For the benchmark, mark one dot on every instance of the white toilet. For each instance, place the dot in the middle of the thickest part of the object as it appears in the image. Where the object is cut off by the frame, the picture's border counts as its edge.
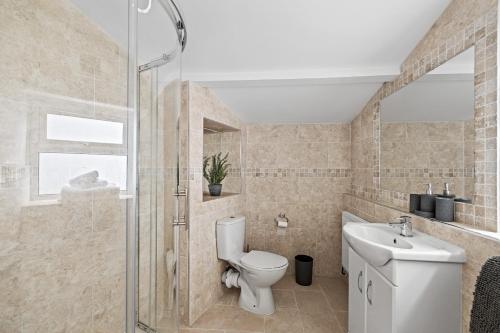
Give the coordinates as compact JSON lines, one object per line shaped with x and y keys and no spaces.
{"x":256,"y":271}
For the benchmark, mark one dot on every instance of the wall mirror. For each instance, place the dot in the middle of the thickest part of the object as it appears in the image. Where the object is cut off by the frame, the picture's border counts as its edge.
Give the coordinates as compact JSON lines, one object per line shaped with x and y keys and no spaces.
{"x":427,"y":132}
{"x":221,"y":156}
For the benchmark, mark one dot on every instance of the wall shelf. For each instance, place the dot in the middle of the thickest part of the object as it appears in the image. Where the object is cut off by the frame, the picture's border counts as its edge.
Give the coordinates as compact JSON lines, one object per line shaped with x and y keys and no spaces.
{"x":208,"y":197}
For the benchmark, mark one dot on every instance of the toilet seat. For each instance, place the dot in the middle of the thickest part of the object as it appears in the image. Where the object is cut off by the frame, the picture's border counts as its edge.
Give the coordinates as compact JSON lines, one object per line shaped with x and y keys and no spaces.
{"x":262,"y":260}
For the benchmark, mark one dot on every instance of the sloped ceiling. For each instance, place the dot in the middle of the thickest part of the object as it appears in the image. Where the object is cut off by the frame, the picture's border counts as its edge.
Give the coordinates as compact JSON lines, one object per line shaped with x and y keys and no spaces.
{"x":285,"y":61}
{"x":288,"y":60}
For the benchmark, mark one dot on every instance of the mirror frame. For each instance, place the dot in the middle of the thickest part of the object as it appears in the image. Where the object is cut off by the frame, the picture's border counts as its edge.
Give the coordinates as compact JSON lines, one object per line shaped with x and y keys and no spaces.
{"x":482,"y":213}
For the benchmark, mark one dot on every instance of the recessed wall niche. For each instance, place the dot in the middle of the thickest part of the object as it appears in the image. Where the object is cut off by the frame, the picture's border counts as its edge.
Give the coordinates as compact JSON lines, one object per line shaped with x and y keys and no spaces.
{"x":221,"y":141}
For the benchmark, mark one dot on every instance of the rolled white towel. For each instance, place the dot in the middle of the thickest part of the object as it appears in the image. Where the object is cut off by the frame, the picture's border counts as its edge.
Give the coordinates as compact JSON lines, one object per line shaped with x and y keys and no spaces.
{"x":84,"y":179}
{"x":96,"y":184}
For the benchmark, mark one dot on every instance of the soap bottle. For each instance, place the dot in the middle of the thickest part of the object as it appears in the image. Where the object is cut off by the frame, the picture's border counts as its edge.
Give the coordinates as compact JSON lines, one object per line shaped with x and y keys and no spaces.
{"x":447,"y":192}
{"x":445,"y":205}
{"x":428,"y":202}
{"x":429,"y":189}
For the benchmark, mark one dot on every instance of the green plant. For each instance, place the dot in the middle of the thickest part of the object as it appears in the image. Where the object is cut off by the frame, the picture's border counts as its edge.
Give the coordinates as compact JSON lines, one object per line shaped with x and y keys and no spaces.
{"x":217,"y":168}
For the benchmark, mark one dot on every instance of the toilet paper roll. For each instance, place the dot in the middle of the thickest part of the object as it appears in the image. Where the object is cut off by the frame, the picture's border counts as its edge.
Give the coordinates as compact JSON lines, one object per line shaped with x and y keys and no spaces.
{"x":282,"y":224}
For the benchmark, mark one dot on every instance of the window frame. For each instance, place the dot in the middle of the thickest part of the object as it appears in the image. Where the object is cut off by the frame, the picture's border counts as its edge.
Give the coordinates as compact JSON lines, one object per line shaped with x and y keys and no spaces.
{"x":38,"y":142}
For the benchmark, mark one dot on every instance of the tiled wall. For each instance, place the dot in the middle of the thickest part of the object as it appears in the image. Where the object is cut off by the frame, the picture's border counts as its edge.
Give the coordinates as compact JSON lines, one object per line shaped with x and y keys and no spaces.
{"x":67,"y":272}
{"x":477,"y":248}
{"x":302,"y":171}
{"x":463,"y":24}
{"x":414,"y":154}
{"x":205,"y":269}
{"x":62,"y":263}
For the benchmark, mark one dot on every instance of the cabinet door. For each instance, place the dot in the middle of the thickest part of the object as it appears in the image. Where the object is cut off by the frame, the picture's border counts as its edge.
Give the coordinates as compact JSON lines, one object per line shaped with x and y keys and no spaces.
{"x":380,"y":295}
{"x":357,"y":287}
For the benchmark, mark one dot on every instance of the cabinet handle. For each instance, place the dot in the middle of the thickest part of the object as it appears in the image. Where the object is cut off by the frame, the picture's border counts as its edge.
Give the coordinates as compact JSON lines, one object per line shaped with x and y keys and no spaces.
{"x":360,"y":275}
{"x":370,"y":285}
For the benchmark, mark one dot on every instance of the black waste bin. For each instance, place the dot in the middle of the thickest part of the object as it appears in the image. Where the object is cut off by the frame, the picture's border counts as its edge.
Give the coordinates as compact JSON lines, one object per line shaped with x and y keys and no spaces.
{"x":303,"y":269}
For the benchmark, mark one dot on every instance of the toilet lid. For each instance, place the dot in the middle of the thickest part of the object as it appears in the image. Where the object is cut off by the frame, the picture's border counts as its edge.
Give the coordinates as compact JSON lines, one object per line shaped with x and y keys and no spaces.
{"x":263,"y":260}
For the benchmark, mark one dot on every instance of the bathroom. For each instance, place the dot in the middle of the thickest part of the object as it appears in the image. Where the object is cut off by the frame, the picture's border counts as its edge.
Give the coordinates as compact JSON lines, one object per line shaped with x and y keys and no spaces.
{"x":164,"y":162}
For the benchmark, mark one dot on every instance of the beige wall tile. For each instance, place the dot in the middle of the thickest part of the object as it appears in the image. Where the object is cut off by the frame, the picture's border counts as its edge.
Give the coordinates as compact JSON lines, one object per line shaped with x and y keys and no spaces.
{"x":66,"y":268}
{"x":309,"y":198}
{"x":204,"y":287}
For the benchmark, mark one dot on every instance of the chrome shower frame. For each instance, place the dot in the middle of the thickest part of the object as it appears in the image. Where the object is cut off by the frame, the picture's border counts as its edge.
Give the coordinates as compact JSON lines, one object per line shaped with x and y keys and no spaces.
{"x":173,"y":11}
{"x":177,"y":18}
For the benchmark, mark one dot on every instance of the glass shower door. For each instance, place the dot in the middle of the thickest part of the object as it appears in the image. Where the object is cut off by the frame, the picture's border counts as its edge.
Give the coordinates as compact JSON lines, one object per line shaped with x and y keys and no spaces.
{"x":159,"y":197}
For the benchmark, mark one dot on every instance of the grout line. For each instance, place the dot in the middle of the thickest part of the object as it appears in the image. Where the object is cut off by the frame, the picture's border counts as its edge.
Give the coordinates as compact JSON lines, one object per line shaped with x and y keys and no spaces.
{"x":334,"y":312}
{"x":300,"y":312}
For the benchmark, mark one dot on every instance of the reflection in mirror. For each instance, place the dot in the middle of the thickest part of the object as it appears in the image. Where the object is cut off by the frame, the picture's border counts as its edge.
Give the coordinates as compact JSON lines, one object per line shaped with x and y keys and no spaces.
{"x":220,"y":140}
{"x":427,"y":132}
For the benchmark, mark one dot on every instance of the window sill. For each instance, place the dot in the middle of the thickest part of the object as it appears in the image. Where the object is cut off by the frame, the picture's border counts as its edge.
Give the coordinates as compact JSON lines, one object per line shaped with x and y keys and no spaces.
{"x":57,"y":201}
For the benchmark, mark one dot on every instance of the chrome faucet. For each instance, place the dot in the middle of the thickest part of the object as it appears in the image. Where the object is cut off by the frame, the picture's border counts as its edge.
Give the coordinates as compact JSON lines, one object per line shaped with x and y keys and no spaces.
{"x":404,"y":222}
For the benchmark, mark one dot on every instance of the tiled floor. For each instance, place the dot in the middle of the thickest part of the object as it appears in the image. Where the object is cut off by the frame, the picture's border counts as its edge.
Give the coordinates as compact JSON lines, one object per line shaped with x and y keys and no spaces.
{"x":319,"y":308}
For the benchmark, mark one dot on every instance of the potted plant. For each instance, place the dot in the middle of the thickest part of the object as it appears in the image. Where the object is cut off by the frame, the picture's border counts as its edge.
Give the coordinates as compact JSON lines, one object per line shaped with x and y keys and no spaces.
{"x":215,"y":170}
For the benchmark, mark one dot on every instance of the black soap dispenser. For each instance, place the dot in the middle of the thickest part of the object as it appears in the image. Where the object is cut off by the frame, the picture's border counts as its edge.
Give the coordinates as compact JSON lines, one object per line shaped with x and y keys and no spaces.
{"x":445,"y":205}
{"x":446,"y":192}
{"x":427,"y":203}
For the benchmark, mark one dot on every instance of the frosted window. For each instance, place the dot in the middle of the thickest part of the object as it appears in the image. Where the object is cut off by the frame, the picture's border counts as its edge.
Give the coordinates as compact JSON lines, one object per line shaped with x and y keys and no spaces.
{"x":83,"y":129}
{"x":56,"y":169}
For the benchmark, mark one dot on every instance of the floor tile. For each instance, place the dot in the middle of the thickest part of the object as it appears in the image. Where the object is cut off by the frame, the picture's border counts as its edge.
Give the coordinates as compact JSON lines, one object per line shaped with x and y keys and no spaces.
{"x":284,"y":321}
{"x":199,"y":330}
{"x":342,"y":319}
{"x":336,"y":292}
{"x":312,"y":302}
{"x":286,"y":283}
{"x":284,"y":299}
{"x":320,"y":308}
{"x":320,"y":323}
{"x":239,"y":319}
{"x":230,"y":297}
{"x":314,"y":286}
{"x":213,"y":318}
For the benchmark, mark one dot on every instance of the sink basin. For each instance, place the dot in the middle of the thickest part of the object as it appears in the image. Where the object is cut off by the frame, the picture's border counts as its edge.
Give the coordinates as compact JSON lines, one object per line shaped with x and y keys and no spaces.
{"x":379,"y":243}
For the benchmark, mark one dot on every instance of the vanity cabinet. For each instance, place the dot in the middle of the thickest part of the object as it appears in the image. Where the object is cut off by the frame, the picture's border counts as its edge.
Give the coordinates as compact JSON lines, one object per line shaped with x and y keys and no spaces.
{"x":404,"y":297}
{"x":357,"y":288}
{"x":379,"y":302}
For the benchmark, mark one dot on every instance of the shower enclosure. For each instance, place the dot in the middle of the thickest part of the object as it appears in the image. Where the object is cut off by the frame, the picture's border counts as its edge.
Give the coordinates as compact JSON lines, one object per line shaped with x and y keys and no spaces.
{"x":90,"y":189}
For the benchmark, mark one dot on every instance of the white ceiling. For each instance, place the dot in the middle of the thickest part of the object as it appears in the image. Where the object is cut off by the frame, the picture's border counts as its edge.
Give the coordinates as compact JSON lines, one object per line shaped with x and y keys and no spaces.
{"x":445,"y":94}
{"x":284,"y":60}
{"x":325,"y":37}
{"x":297,"y":100}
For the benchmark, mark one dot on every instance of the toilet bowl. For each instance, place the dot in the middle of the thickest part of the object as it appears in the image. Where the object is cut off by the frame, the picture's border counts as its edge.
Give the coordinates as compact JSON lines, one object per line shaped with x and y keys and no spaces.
{"x":254,"y":272}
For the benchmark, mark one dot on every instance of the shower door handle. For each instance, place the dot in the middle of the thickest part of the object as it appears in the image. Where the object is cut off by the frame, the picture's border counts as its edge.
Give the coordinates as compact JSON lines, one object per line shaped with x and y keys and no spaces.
{"x":181,"y":220}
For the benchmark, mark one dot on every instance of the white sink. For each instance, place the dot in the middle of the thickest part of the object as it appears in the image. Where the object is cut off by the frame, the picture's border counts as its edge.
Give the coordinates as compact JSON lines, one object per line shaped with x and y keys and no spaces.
{"x":379,"y":243}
